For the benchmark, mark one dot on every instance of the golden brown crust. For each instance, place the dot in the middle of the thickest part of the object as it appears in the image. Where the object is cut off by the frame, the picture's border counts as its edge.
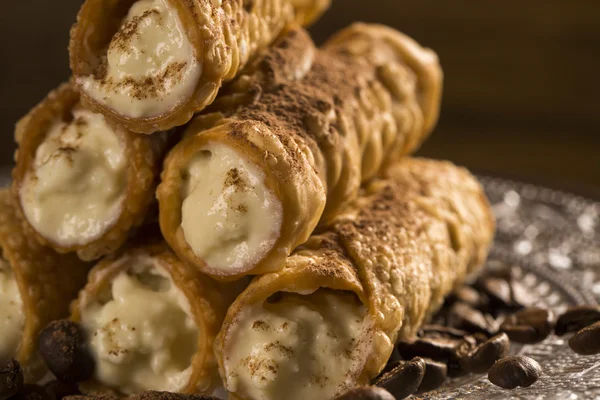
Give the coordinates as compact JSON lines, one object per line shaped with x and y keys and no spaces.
{"x":143,"y":154}
{"x":47,"y":281}
{"x":225,"y":38}
{"x":402,"y":246}
{"x":309,"y":11}
{"x":208,"y":301}
{"x":319,"y":122}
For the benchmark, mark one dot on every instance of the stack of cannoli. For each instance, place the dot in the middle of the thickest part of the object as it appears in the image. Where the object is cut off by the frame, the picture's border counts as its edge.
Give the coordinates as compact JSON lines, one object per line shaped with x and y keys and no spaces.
{"x":255,"y":226}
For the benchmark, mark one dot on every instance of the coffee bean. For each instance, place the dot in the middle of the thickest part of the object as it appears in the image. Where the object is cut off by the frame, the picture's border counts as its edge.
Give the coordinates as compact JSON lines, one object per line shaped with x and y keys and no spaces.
{"x":522,"y":295}
{"x":576,"y":318}
{"x":11,"y":379}
{"x":530,"y":325}
{"x":587,"y":340}
{"x":366,"y":393}
{"x":498,"y":291}
{"x":58,"y":390}
{"x":435,"y":375}
{"x":403,"y":380}
{"x":481,"y":358}
{"x":464,"y":317}
{"x":439,"y":349}
{"x":31,"y":392}
{"x":511,"y":372}
{"x":62,"y":346}
{"x":441,"y":331}
{"x":469,"y":296}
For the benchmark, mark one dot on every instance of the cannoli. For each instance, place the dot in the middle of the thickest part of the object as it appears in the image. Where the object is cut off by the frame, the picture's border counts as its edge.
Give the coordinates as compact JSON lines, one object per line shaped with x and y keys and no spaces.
{"x":36,"y":286}
{"x":289,"y":143}
{"x":150,"y":322}
{"x":151,"y":64}
{"x":83,"y":183}
{"x":329,"y":319}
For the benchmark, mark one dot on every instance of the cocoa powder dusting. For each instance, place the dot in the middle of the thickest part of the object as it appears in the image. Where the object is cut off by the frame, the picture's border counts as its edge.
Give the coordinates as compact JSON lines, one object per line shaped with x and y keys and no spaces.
{"x":143,"y":87}
{"x":303,"y":113}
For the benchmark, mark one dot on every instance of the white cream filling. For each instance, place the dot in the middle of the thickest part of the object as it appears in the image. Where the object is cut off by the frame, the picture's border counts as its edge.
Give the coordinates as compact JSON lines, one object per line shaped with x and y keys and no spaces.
{"x":298,"y":347}
{"x":75,"y":188}
{"x":150,"y":66}
{"x":230,"y":218}
{"x":12,"y":317}
{"x":142,"y":332}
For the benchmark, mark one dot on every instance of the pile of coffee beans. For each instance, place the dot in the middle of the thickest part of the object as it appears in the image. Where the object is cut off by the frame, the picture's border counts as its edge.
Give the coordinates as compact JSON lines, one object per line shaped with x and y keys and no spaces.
{"x":13,"y":387}
{"x":472,"y":333}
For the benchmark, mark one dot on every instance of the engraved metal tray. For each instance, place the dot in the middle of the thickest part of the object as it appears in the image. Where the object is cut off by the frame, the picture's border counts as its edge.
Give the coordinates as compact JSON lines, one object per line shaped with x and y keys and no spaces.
{"x":554,"y":239}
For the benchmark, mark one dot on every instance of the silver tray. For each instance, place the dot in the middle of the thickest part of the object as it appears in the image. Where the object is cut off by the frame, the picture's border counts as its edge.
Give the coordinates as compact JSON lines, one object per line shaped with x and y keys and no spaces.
{"x":553,"y":238}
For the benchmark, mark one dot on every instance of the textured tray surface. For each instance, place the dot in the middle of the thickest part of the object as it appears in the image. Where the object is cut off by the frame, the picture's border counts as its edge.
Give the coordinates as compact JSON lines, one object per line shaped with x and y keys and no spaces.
{"x":554,"y":238}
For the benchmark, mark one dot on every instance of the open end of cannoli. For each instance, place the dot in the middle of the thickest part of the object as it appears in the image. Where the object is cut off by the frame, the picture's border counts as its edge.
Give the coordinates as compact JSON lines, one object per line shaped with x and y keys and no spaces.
{"x":296,"y":346}
{"x":74,"y":189}
{"x":12,"y":317}
{"x":230,"y":218}
{"x":141,"y":331}
{"x":145,"y":65}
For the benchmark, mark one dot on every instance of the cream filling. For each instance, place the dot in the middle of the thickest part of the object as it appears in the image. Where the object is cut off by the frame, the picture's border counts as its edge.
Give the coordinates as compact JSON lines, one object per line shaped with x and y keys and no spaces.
{"x":150,"y":66}
{"x":12,"y":317}
{"x":298,"y":347}
{"x":75,"y":188}
{"x":230,"y":218}
{"x":142,"y":332}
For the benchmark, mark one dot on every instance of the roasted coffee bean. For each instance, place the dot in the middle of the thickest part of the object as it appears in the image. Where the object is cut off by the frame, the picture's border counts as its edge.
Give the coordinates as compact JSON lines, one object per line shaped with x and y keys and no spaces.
{"x":62,"y":346}
{"x":11,"y":379}
{"x":436,"y":348}
{"x":576,"y":318}
{"x":435,"y":375}
{"x":403,"y":380}
{"x":481,"y":358}
{"x":464,"y":317}
{"x":470,"y":296}
{"x":390,"y":366}
{"x":587,"y":340}
{"x":465,"y":346}
{"x":367,"y":393}
{"x":59,"y":390}
{"x":31,"y":392}
{"x":530,"y":325}
{"x":441,"y":331}
{"x":511,"y":372}
{"x":522,"y":296}
{"x":498,"y":291}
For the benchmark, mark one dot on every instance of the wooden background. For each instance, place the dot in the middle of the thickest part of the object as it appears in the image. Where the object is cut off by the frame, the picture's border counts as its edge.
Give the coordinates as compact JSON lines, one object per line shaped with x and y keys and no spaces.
{"x":522,"y":91}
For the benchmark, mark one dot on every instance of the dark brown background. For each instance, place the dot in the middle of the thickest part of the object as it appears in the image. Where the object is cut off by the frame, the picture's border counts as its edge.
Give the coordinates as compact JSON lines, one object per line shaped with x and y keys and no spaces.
{"x":522,"y":94}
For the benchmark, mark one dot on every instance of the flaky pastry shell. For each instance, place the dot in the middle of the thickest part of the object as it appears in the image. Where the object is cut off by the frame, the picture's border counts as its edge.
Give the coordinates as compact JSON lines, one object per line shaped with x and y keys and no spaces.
{"x":401,"y":247}
{"x":47,"y":282}
{"x":225,"y":36}
{"x":317,"y":122}
{"x":143,"y":153}
{"x":208,"y":302}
